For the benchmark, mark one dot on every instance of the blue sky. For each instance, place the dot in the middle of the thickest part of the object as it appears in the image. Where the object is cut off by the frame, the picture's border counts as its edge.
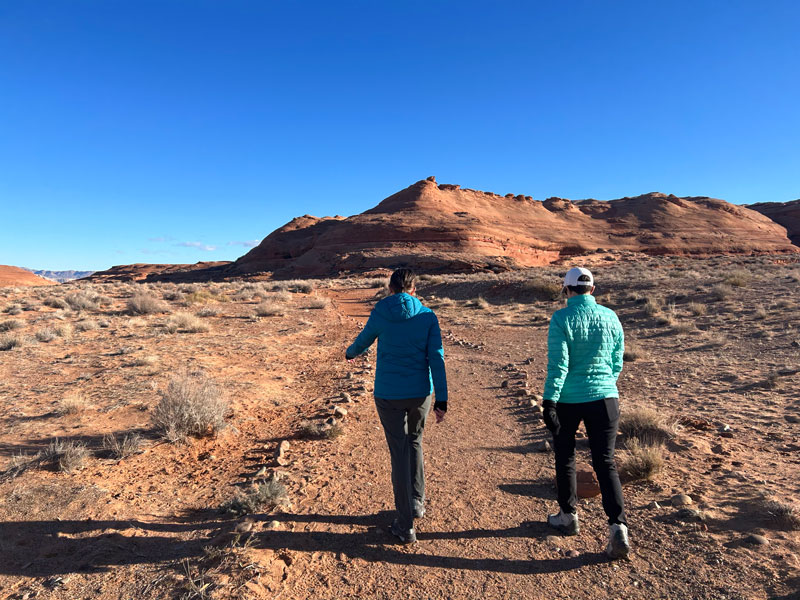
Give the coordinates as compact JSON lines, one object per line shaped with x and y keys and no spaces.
{"x":184,"y":130}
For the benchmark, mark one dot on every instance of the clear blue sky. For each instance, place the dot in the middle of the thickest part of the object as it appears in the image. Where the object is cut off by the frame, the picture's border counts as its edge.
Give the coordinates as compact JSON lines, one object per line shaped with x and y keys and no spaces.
{"x":182,"y":130}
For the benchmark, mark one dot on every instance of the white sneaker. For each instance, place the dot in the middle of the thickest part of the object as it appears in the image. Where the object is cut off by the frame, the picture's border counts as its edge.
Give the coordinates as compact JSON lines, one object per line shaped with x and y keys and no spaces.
{"x":566,"y":523}
{"x":618,"y":544}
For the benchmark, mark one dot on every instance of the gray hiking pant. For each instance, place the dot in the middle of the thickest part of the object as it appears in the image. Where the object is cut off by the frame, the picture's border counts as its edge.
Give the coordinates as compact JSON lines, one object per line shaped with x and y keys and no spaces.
{"x":403,"y":423}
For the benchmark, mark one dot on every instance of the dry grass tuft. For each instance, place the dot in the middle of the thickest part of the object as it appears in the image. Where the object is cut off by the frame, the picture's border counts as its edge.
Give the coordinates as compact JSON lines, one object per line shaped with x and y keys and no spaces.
{"x":319,"y":303}
{"x":86,"y":325}
{"x":269,"y":309}
{"x":642,"y":461}
{"x":785,"y":514}
{"x":56,"y":302}
{"x":186,"y":323}
{"x":263,"y":498}
{"x":647,"y":425}
{"x":721,"y":292}
{"x":632,"y":353}
{"x":191,"y":405}
{"x":144,"y":304}
{"x":65,"y":456}
{"x":12,"y":324}
{"x":122,"y":447}
{"x":72,"y":404}
{"x":738,"y":278}
{"x":45,"y":335}
{"x":542,"y":289}
{"x":10,"y":340}
{"x":697,"y":309}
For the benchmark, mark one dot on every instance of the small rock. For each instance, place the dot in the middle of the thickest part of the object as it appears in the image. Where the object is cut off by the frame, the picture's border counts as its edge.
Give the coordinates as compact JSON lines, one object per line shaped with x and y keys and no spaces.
{"x":573,"y":554}
{"x":726,"y":434}
{"x":244,"y":527}
{"x":536,"y":408}
{"x":681,"y":500}
{"x":283,"y":447}
{"x":504,"y":384}
{"x":543,"y":446}
{"x":346,"y":397}
{"x":331,"y":421}
{"x":273,"y":526}
{"x":690,"y":514}
{"x":340,"y":412}
{"x":654,"y":504}
{"x":755,"y":539}
{"x":588,"y":486}
{"x":795,"y":344}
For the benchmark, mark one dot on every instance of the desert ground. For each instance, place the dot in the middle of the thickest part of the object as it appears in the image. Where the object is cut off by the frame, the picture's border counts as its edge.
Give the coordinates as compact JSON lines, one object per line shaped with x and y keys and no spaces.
{"x":210,"y":441}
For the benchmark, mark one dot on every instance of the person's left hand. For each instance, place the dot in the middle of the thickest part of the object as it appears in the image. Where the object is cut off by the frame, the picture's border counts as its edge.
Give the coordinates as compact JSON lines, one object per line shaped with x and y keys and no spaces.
{"x":439,"y":415}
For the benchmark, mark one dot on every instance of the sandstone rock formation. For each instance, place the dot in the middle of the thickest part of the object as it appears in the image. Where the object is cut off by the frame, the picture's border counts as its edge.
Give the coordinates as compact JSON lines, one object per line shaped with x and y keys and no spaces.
{"x":150,"y":272}
{"x":447,"y":228}
{"x":17,"y":276}
{"x":783,"y":213}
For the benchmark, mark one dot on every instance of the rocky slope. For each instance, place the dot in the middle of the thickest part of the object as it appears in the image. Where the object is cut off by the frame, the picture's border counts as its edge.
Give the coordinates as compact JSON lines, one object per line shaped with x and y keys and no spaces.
{"x":783,"y":213}
{"x":446,"y":228}
{"x":150,"y":272}
{"x":17,"y":276}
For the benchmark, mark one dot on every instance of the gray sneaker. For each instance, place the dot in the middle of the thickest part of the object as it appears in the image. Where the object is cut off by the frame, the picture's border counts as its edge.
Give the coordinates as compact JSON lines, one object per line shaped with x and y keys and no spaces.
{"x":419,"y":508}
{"x":405,"y":537}
{"x":566,"y":523}
{"x":618,"y":544}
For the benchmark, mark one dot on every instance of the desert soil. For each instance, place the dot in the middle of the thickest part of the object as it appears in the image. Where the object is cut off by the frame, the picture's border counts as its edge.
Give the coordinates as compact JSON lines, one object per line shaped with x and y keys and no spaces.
{"x":148,"y":526}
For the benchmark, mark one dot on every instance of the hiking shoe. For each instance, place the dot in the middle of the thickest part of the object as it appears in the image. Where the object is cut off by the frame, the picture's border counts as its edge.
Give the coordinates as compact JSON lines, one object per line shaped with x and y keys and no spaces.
{"x":419,"y":508}
{"x":618,"y":544}
{"x":566,"y":523}
{"x":405,"y":537}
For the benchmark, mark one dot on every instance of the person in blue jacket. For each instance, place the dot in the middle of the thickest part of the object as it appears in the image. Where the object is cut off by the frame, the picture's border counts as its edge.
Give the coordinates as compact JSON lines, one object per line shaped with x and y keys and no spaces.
{"x":585,"y":344}
{"x":410,"y":367}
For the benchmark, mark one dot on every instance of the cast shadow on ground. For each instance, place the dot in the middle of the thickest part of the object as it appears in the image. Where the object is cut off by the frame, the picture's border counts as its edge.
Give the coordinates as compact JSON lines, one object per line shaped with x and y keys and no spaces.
{"x":47,"y":548}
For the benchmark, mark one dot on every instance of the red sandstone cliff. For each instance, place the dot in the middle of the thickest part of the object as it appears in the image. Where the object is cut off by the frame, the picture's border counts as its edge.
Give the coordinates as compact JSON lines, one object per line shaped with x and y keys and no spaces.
{"x":783,"y":213}
{"x":16,"y":276}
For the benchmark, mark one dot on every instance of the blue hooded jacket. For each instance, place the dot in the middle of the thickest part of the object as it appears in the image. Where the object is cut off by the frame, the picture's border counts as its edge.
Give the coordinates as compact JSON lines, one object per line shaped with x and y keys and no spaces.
{"x":410,"y":353}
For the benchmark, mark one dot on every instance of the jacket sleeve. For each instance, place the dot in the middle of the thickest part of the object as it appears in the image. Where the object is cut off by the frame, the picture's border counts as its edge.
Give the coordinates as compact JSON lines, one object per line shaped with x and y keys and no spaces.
{"x":364,"y":339}
{"x":619,"y":351}
{"x":436,"y":361}
{"x":557,"y":359}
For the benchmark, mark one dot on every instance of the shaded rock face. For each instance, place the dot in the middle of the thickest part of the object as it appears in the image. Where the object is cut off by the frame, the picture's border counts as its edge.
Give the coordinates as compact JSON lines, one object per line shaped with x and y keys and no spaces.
{"x":17,"y":276}
{"x":151,"y":272}
{"x":783,"y":213}
{"x":448,"y":228}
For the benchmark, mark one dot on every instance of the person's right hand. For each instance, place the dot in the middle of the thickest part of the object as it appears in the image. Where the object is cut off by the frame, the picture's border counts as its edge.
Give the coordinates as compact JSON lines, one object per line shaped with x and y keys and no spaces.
{"x":439,"y":409}
{"x":550,"y":416}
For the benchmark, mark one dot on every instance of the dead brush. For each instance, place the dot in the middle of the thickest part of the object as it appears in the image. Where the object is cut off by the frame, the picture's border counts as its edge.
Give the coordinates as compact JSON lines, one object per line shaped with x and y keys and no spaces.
{"x":9,"y":341}
{"x":65,"y":456}
{"x":185,"y":323}
{"x":647,"y":425}
{"x":190,"y":405}
{"x":541,"y":289}
{"x":123,"y":446}
{"x":82,"y":301}
{"x":144,"y":304}
{"x":269,"y":309}
{"x":71,"y":404}
{"x":319,"y":303}
{"x":319,"y":431}
{"x":264,"y":497}
{"x":738,"y":278}
{"x":12,"y":324}
{"x":642,"y":461}
{"x":785,"y":514}
{"x":633,"y":352}
{"x":697,"y":309}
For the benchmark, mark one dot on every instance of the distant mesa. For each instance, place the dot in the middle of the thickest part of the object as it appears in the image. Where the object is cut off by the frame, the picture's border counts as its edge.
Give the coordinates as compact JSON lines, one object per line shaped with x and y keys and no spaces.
{"x":447,"y":228}
{"x":61,"y":276}
{"x":17,"y":276}
{"x":783,"y":213}
{"x":200,"y":271}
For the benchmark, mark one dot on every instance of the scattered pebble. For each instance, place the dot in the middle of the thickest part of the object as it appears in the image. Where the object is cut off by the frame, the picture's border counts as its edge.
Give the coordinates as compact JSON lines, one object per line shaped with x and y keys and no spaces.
{"x":681,"y":500}
{"x":543,"y":446}
{"x":340,"y":412}
{"x":573,"y":554}
{"x":756,"y":540}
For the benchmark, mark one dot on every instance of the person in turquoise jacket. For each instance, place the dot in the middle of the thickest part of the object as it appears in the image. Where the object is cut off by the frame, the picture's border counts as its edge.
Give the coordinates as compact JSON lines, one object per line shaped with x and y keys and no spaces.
{"x":410,"y":367}
{"x":585,"y":344}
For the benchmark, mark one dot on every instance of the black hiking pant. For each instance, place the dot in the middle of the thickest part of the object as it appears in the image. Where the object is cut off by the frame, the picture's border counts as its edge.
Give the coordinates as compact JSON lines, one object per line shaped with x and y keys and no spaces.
{"x":403,"y":423}
{"x":601,"y":419}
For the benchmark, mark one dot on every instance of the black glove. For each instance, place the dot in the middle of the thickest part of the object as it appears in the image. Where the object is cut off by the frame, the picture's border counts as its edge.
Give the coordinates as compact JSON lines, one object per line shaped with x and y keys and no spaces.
{"x":442,"y":406}
{"x":550,"y":416}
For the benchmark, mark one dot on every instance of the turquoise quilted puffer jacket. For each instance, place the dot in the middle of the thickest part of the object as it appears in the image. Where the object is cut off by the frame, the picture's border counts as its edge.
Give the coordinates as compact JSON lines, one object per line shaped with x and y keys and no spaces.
{"x":584,"y":352}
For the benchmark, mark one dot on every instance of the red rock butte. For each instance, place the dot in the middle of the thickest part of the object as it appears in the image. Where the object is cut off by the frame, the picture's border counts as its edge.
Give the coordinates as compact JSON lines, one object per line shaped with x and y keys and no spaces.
{"x":16,"y":276}
{"x":442,"y":227}
{"x":783,"y":213}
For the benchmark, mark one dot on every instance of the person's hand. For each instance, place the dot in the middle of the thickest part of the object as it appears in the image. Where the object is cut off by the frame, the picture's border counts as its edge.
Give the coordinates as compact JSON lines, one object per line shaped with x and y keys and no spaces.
{"x":550,"y":416}
{"x":439,"y":409}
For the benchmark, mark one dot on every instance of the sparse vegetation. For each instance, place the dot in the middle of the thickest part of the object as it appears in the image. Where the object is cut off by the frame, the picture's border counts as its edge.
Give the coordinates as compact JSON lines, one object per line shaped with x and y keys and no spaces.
{"x":263,"y":498}
{"x":647,"y":425}
{"x":120,"y":447}
{"x":12,"y":324}
{"x":642,"y":461}
{"x":269,"y":309}
{"x":71,"y":404}
{"x":9,"y":341}
{"x":738,"y":278}
{"x":56,"y":302}
{"x":697,"y":309}
{"x":632,"y":353}
{"x":66,"y":456}
{"x":82,"y":301}
{"x":86,"y":325}
{"x":317,"y":303}
{"x":317,"y":431}
{"x":785,"y":514}
{"x":542,"y":289}
{"x":45,"y":335}
{"x":720,"y":292}
{"x":144,"y":304}
{"x":186,"y":323}
{"x":190,"y":405}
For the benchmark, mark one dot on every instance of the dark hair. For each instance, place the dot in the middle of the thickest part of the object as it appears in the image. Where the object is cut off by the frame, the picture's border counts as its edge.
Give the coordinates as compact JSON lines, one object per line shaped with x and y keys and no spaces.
{"x":580,"y":289}
{"x":402,"y":280}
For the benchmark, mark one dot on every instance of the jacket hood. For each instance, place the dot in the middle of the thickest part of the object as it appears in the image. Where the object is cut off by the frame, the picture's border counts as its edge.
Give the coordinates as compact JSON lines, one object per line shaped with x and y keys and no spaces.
{"x":399,"y":307}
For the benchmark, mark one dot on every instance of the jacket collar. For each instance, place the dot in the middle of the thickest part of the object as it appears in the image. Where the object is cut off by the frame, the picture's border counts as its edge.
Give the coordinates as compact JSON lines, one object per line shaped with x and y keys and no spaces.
{"x":581,"y":299}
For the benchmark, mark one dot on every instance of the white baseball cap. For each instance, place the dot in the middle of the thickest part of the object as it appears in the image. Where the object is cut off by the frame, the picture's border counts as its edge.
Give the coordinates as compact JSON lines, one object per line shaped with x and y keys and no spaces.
{"x":578,"y":276}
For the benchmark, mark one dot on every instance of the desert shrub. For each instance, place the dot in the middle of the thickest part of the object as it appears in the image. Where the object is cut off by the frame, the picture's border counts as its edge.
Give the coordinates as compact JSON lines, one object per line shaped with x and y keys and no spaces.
{"x":720,"y":292}
{"x":190,"y":405}
{"x":11,"y":307}
{"x":86,"y":325}
{"x":319,"y":431}
{"x":299,"y":286}
{"x":429,"y":279}
{"x":653,"y":306}
{"x":144,"y":361}
{"x":319,"y":303}
{"x":63,"y":330}
{"x":265,"y":497}
{"x":646,"y":425}
{"x":11,"y":324}
{"x":684,"y":327}
{"x":642,"y":461}
{"x":480,"y":303}
{"x":71,"y":404}
{"x":632,"y":353}
{"x":104,"y":323}
{"x":14,"y":310}
{"x":785,"y":514}
{"x":9,"y":341}
{"x":173,"y":296}
{"x":122,"y":447}
{"x":56,"y":302}
{"x":82,"y":301}
{"x":45,"y":335}
{"x":738,"y":278}
{"x":269,"y":309}
{"x":198,"y":297}
{"x":65,"y":456}
{"x":209,"y":311}
{"x":542,"y":289}
{"x":144,"y":304}
{"x":760,"y":314}
{"x":186,"y":323}
{"x":697,"y":309}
